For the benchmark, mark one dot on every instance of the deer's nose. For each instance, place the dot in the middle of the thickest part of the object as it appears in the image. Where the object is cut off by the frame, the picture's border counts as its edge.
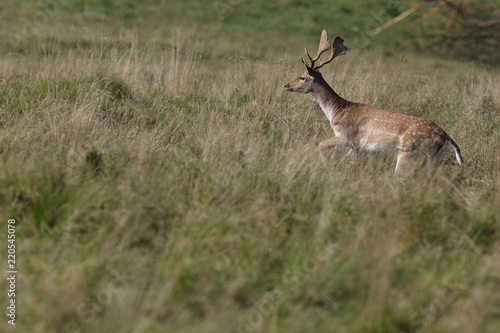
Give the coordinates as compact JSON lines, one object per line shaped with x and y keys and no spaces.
{"x":287,"y":85}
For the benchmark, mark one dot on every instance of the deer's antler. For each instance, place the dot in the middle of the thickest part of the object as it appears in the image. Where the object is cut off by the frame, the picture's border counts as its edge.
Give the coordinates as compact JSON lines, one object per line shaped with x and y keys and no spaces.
{"x":324,"y":45}
{"x":338,"y":48}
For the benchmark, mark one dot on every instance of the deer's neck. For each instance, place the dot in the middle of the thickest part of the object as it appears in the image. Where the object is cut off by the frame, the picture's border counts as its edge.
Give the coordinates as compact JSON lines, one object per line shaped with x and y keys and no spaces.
{"x":328,"y":100}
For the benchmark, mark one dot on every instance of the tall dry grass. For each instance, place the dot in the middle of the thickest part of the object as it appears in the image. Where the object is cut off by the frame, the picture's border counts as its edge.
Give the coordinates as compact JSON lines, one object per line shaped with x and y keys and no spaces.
{"x":154,"y":194}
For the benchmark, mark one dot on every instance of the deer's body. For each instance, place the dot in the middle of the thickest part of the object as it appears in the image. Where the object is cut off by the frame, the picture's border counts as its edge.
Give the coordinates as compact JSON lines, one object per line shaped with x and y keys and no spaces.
{"x":368,"y":127}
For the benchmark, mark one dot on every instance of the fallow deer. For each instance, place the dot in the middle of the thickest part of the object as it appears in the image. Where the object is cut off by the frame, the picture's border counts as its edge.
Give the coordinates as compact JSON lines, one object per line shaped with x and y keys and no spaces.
{"x":367,"y":127}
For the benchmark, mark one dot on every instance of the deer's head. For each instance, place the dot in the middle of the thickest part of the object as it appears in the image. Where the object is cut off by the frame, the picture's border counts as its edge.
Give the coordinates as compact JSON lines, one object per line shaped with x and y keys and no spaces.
{"x":311,"y":76}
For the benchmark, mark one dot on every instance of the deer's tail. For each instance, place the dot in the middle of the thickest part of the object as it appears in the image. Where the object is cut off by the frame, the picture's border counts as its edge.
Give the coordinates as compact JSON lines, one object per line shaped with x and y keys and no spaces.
{"x":456,"y":149}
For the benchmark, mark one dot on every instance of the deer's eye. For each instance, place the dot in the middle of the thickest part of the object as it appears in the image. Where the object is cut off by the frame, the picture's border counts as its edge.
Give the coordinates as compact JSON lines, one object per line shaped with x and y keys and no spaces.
{"x":302,"y":78}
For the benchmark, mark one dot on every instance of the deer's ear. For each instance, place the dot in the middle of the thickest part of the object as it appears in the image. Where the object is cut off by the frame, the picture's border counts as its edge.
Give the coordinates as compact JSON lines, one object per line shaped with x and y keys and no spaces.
{"x":311,"y":71}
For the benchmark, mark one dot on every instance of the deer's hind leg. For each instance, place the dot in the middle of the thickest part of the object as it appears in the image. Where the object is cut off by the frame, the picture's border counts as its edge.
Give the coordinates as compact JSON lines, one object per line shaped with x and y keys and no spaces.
{"x":408,"y":161}
{"x":436,"y":153}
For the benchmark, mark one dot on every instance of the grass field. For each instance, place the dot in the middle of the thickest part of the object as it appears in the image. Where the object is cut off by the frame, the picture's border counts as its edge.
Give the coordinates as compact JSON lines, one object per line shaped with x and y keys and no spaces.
{"x":162,"y":179}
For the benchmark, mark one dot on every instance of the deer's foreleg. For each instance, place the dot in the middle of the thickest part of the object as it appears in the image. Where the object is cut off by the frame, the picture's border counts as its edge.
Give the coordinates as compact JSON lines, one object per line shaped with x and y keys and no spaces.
{"x":336,"y":141}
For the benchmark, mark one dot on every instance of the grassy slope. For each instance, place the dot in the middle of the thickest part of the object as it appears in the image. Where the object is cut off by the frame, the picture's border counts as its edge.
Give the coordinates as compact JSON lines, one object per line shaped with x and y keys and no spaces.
{"x":154,"y":193}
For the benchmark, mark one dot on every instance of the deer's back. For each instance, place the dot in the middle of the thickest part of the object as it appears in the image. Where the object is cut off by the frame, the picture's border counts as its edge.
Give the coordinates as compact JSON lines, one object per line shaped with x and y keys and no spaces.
{"x":373,"y":128}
